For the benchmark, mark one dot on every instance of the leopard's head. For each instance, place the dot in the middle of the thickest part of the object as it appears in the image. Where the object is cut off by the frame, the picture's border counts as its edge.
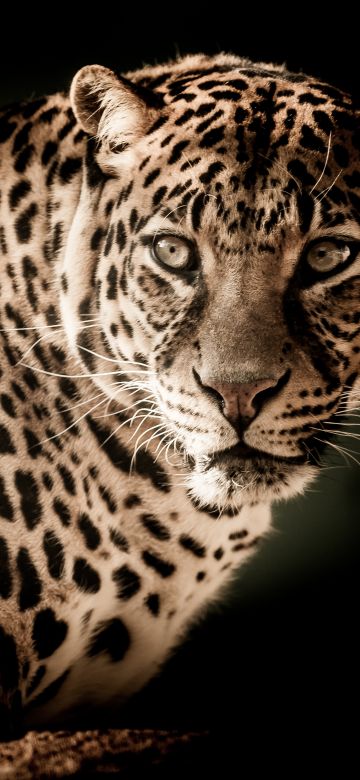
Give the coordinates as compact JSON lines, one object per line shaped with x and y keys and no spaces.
{"x":217,"y":241}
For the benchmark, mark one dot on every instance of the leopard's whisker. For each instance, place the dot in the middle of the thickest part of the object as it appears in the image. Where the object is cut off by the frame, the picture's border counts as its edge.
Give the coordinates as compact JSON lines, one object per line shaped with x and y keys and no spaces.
{"x":110,"y":360}
{"x":42,"y":338}
{"x":317,"y":459}
{"x":165,"y":438}
{"x":346,"y":453}
{"x":124,"y":409}
{"x":129,"y":386}
{"x":175,"y":453}
{"x":137,"y":446}
{"x":38,"y":327}
{"x":75,"y":422}
{"x":150,"y":414}
{"x":135,"y":363}
{"x":77,"y":376}
{"x":324,"y":168}
{"x":325,"y":192}
{"x":129,"y":421}
{"x":114,"y":432}
{"x":167,"y":457}
{"x":169,"y":433}
{"x":82,"y":403}
{"x":334,"y":422}
{"x":154,"y":436}
{"x":350,"y":434}
{"x":89,"y":314}
{"x":164,"y":218}
{"x":161,"y":425}
{"x":120,"y":411}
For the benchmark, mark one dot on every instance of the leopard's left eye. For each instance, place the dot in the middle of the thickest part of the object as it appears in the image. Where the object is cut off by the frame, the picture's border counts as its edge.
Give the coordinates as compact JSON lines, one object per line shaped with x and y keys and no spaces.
{"x":173,"y":252}
{"x":326,"y":255}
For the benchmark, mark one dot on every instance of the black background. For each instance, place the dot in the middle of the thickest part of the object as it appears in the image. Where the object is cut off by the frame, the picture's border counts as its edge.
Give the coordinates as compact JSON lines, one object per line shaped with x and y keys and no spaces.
{"x":41,"y":49}
{"x":281,"y":654}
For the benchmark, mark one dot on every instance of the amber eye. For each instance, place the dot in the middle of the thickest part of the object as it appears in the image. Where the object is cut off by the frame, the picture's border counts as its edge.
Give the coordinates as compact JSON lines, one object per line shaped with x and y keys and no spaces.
{"x":172,"y":251}
{"x":326,"y":255}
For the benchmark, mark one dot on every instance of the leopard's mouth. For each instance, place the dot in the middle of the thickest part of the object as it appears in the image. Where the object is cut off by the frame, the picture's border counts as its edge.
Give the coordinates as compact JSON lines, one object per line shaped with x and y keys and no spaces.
{"x":240,"y":452}
{"x":241,"y":475}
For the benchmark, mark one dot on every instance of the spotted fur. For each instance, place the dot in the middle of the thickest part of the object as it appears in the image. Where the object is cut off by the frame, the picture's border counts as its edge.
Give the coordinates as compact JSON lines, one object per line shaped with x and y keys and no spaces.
{"x":127,"y":496}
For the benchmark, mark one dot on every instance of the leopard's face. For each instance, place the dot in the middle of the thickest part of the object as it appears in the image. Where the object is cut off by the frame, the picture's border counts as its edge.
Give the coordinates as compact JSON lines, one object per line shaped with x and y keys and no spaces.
{"x":227,"y":261}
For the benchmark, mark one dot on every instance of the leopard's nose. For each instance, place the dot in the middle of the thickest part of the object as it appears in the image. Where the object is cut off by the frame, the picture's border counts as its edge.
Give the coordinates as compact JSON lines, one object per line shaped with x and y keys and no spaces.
{"x":242,"y":401}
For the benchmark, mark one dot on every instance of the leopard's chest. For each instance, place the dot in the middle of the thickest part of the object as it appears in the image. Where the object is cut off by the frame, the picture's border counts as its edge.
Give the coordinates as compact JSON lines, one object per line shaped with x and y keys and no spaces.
{"x":102,"y":631}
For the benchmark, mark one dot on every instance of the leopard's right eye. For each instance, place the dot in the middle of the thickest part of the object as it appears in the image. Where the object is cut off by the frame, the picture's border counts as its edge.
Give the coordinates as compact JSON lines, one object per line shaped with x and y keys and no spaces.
{"x":173,"y":251}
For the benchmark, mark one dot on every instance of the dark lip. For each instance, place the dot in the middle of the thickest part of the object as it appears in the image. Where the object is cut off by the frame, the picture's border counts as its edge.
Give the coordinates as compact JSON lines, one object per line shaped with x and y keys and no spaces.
{"x":244,"y":452}
{"x":312,"y":448}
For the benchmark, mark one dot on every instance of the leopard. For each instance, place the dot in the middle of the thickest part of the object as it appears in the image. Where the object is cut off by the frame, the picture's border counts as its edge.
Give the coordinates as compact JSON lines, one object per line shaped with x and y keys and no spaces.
{"x":180,"y":337}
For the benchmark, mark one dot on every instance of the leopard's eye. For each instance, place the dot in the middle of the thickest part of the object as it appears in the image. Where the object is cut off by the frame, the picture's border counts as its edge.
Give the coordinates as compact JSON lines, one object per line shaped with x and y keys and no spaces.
{"x":326,"y":255}
{"x":172,"y":251}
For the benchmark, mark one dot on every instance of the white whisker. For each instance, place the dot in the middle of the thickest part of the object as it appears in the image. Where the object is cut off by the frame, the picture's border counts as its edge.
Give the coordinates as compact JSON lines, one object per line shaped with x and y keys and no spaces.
{"x":110,"y":360}
{"x":82,"y":403}
{"x":153,"y":416}
{"x":42,"y":338}
{"x":75,"y":422}
{"x":338,"y":433}
{"x":324,"y":168}
{"x":125,"y":409}
{"x":311,"y":453}
{"x":163,"y":220}
{"x":129,"y":421}
{"x":138,"y":446}
{"x":114,"y":432}
{"x":333,"y":422}
{"x":35,"y":327}
{"x":77,"y":376}
{"x":325,"y":192}
{"x":344,"y":451}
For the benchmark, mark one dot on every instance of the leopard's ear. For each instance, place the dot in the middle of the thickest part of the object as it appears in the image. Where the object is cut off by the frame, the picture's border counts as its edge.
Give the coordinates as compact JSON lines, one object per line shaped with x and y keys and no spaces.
{"x":111,"y":108}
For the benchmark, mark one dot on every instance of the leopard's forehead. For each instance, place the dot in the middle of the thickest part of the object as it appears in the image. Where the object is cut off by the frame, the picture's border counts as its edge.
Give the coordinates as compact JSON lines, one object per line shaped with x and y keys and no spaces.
{"x":229,"y":125}
{"x":275,"y":108}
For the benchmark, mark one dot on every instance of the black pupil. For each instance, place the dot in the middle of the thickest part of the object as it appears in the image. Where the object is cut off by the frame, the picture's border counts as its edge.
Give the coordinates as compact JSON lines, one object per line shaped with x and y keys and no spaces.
{"x":172,"y":249}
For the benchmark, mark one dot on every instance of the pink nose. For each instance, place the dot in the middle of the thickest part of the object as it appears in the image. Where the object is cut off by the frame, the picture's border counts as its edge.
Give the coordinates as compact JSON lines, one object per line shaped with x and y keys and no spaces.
{"x":238,"y":398}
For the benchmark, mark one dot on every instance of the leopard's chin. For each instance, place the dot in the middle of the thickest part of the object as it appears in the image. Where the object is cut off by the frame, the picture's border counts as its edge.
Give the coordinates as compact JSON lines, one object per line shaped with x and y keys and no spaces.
{"x":230,"y":481}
